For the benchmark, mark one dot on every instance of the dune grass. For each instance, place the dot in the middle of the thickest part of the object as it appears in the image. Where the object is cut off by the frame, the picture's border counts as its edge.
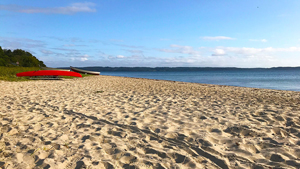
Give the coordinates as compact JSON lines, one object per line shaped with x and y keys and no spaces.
{"x":9,"y":73}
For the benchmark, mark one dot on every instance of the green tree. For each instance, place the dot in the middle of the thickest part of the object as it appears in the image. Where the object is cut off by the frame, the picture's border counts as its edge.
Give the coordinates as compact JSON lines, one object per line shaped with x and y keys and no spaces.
{"x":2,"y":62}
{"x":3,"y":58}
{"x":25,"y":59}
{"x":41,"y":63}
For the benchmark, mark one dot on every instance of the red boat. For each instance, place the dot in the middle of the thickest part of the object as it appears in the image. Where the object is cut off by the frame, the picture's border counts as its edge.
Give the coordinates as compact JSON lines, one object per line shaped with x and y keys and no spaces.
{"x":48,"y":73}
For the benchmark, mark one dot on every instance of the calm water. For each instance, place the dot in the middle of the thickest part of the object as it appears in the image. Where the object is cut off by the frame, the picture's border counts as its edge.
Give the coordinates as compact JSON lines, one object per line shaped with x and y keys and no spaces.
{"x":268,"y":79}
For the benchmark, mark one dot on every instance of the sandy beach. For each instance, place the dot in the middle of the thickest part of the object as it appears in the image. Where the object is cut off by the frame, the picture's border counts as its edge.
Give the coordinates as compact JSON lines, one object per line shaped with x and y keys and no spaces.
{"x":118,"y":122}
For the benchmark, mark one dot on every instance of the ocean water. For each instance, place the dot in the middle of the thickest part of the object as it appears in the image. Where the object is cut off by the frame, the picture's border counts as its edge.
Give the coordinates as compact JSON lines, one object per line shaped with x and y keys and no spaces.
{"x":256,"y":78}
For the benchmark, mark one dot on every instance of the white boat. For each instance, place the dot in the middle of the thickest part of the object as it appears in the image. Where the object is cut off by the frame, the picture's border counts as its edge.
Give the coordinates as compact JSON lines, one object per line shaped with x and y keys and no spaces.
{"x":50,"y":68}
{"x":84,"y":71}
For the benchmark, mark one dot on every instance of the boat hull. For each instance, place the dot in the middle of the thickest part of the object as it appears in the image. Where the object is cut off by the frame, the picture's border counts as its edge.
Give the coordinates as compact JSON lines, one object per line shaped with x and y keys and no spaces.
{"x":48,"y":73}
{"x":50,"y":68}
{"x":84,"y":71}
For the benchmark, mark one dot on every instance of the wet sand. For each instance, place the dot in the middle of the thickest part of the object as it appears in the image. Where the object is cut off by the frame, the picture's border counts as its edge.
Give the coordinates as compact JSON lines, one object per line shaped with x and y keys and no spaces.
{"x":116,"y":122}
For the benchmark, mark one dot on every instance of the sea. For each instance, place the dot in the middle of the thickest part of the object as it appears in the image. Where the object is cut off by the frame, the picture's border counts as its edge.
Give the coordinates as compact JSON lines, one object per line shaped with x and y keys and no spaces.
{"x":272,"y":78}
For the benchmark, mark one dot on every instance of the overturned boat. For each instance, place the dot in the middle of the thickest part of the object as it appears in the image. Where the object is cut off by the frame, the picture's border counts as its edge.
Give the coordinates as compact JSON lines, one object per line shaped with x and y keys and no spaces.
{"x":50,"y":68}
{"x":84,"y":71}
{"x":47,"y":74}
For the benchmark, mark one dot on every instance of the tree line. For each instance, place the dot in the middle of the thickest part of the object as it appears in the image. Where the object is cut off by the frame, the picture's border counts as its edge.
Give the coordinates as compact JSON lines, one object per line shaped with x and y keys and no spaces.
{"x":179,"y":69}
{"x":18,"y":57}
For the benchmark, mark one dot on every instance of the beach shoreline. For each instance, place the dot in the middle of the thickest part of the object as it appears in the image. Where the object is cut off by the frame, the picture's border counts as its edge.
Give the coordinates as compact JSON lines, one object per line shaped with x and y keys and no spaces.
{"x":108,"y":121}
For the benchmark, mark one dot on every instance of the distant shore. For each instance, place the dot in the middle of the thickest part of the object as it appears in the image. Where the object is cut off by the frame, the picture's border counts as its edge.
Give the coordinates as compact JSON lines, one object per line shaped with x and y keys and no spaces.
{"x":151,"y":69}
{"x":106,"y":121}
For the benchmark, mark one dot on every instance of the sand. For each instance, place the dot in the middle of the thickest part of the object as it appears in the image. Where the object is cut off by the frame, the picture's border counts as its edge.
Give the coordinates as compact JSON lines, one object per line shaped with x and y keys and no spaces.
{"x":118,"y":122}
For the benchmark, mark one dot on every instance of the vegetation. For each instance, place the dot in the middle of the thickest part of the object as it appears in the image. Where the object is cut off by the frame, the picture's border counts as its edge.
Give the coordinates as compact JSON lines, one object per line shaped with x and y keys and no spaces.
{"x":16,"y":61}
{"x":18,"y":57}
{"x":9,"y":73}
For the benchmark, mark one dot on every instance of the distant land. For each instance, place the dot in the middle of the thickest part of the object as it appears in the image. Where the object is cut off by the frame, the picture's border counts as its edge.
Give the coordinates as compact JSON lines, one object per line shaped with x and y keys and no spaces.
{"x":172,"y":69}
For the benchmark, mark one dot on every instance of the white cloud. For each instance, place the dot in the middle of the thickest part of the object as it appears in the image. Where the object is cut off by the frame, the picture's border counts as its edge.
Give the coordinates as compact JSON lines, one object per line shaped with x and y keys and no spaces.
{"x":71,"y":9}
{"x":264,"y":40}
{"x":120,"y":56}
{"x":72,"y":45}
{"x":259,"y":40}
{"x":129,"y":46}
{"x":135,"y":51}
{"x":290,"y":49}
{"x":224,"y":57}
{"x":219,"y":52}
{"x":84,"y":57}
{"x":233,"y":56}
{"x":46,"y":52}
{"x":20,"y":43}
{"x":69,"y":45}
{"x":81,"y":58}
{"x":181,"y":49}
{"x":248,"y":51}
{"x":217,"y":38}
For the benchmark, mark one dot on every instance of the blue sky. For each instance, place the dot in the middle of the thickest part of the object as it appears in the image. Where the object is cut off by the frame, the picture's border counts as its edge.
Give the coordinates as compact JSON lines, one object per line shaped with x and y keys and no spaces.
{"x":198,"y":33}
